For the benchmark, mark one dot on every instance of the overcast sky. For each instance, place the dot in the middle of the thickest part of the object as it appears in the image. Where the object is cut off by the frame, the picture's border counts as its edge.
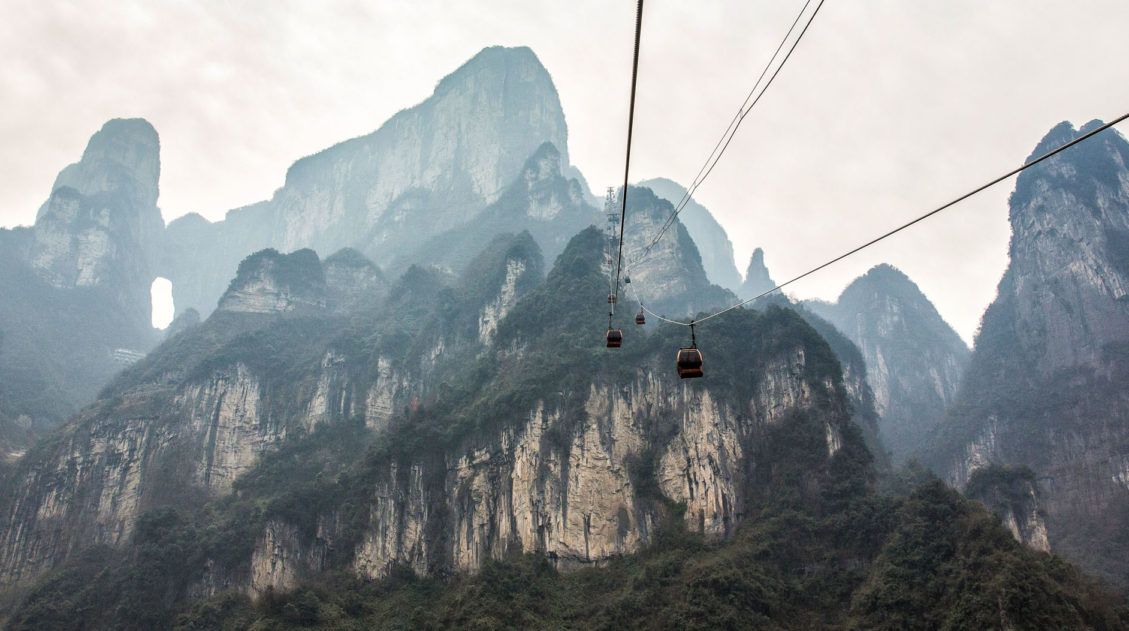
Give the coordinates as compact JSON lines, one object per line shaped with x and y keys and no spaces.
{"x":888,"y":107}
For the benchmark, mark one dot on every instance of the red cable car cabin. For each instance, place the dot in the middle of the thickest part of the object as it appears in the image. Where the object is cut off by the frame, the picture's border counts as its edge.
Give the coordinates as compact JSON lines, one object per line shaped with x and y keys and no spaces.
{"x":689,"y":362}
{"x":615,"y":338}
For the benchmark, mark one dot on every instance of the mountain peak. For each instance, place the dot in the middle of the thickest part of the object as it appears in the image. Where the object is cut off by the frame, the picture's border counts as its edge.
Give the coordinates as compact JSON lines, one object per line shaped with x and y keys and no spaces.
{"x":124,"y":155}
{"x":493,"y":59}
{"x":271,"y":282}
{"x":887,"y":279}
{"x":713,"y":242}
{"x":757,"y":278}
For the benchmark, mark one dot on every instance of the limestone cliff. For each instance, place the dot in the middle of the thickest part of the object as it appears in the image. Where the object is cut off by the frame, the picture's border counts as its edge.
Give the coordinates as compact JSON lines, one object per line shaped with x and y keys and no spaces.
{"x":276,"y":359}
{"x":1012,"y":493}
{"x":428,"y":168}
{"x":101,"y":227}
{"x":1045,"y":386}
{"x":540,"y":200}
{"x":494,"y":424}
{"x":269,"y":282}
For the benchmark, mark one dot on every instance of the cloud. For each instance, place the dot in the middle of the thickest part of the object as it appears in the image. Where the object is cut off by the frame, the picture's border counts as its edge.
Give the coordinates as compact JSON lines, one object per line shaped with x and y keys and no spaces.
{"x":888,"y":107}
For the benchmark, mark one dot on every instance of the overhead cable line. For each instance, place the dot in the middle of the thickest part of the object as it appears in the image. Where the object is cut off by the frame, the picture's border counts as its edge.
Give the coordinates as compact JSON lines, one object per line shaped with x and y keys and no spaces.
{"x":912,"y":222}
{"x":627,"y":161}
{"x":742,"y":114}
{"x":745,"y":103}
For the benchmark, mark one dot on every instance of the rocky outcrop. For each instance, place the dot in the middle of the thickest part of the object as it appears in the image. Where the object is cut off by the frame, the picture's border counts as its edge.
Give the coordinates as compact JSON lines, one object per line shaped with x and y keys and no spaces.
{"x":713,"y":243}
{"x":582,"y":466}
{"x":757,"y":279}
{"x":428,"y":168}
{"x":272,"y":362}
{"x":914,"y":359}
{"x":670,"y":278}
{"x":565,"y":481}
{"x":495,"y":310}
{"x":1045,"y":386}
{"x":270,"y":282}
{"x":352,"y":280}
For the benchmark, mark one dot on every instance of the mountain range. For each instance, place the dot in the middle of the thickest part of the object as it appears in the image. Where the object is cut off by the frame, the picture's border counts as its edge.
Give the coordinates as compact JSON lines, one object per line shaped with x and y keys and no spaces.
{"x":386,"y":400}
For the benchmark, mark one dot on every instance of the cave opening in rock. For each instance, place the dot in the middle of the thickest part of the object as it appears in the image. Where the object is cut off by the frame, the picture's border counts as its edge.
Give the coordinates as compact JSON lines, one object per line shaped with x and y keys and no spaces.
{"x":160,"y":295}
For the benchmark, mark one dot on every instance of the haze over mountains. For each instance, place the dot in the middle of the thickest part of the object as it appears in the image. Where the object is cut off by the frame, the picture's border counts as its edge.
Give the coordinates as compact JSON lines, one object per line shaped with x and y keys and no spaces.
{"x":395,"y":368}
{"x":914,"y":360}
{"x":429,"y":168}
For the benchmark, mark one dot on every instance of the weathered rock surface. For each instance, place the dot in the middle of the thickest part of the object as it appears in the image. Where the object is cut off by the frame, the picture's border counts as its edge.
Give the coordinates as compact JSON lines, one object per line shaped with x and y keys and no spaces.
{"x":1012,"y":493}
{"x":352,"y":280}
{"x":186,"y":422}
{"x":541,"y":201}
{"x":270,"y":282}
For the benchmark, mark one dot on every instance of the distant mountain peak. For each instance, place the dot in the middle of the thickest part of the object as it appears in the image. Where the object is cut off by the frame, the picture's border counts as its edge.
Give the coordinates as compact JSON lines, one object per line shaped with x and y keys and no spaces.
{"x":914,"y":359}
{"x":123,"y":155}
{"x":888,"y":280}
{"x":757,"y":279}
{"x":520,"y":60}
{"x":710,"y":237}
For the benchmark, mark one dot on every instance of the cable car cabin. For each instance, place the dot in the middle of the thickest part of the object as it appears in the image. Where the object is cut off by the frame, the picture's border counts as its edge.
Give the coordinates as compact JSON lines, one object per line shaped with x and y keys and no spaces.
{"x":615,"y":338}
{"x":611,"y":299}
{"x":689,"y":361}
{"x":640,"y":319}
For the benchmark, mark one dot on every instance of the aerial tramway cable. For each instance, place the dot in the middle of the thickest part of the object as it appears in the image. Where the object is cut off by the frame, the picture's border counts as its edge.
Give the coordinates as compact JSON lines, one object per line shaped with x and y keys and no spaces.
{"x":615,"y":336}
{"x":627,"y":160}
{"x":732,"y":130}
{"x":979,"y":189}
{"x":737,"y":115}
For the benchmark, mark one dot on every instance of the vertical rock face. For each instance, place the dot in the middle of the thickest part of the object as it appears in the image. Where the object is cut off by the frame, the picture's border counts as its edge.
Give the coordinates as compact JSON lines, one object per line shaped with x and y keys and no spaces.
{"x":497,"y":309}
{"x":276,"y":359}
{"x":757,"y":279}
{"x":914,"y":358}
{"x":1045,"y":386}
{"x":670,"y":279}
{"x":571,"y":494}
{"x":713,"y":242}
{"x":101,"y":226}
{"x":433,"y":165}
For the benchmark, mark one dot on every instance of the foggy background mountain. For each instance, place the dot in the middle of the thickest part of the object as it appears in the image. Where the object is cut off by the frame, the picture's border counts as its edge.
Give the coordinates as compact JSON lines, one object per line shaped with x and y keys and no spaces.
{"x":887,"y":109}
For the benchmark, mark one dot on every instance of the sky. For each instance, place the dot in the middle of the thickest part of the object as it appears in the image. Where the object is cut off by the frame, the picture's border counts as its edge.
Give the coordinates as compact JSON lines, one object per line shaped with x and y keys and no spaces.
{"x":887,"y":109}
